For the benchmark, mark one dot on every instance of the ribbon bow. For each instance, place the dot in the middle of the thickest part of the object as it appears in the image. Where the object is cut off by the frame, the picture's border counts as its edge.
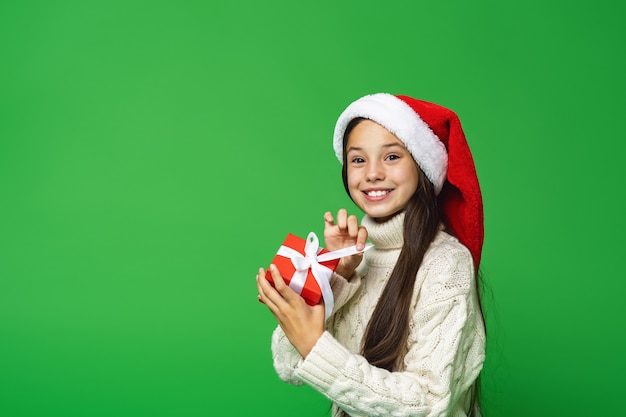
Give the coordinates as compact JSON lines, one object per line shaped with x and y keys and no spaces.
{"x":311,"y":260}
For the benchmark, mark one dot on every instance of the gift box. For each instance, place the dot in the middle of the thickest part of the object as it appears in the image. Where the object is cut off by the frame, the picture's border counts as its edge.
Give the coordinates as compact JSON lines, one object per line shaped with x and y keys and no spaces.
{"x":299,"y":263}
{"x":307,"y":268}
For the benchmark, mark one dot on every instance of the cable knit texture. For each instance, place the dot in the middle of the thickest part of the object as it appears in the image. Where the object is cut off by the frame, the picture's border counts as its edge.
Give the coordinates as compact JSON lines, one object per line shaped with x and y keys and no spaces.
{"x":445,"y":347}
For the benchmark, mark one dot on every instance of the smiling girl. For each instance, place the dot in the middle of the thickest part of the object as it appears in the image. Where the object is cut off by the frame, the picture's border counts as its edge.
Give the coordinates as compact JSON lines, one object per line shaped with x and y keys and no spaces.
{"x":407,"y":336}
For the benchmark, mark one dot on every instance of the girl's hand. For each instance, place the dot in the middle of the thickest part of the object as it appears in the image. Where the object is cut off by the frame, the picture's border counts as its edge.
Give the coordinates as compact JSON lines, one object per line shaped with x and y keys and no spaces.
{"x":345,"y":232}
{"x":303,"y":324}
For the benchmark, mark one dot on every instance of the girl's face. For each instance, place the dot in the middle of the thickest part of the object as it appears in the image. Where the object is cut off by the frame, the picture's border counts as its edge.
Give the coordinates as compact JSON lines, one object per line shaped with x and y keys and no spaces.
{"x":382,"y":174}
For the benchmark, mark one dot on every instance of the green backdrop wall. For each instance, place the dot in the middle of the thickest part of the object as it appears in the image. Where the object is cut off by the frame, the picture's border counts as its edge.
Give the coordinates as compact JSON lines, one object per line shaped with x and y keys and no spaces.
{"x":154,"y":154}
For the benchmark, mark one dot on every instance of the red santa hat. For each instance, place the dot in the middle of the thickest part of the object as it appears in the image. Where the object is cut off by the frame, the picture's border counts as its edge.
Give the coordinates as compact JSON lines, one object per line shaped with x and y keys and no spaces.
{"x":434,"y":137}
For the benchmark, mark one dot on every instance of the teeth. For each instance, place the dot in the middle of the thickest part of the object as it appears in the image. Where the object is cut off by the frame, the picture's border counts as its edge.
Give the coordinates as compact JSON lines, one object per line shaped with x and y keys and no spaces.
{"x":377,"y":193}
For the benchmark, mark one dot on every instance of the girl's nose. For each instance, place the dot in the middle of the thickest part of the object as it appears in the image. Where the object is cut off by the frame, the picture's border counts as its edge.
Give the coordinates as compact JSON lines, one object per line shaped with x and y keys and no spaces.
{"x":374,"y":172}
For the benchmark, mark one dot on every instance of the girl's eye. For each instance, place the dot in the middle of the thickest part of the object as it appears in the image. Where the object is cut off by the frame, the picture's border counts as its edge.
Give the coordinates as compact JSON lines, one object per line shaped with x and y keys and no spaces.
{"x":393,"y":157}
{"x":357,"y":160}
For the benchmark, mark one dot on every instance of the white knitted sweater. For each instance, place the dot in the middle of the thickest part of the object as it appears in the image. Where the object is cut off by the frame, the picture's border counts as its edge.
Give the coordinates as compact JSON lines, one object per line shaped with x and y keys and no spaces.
{"x":446,"y":342}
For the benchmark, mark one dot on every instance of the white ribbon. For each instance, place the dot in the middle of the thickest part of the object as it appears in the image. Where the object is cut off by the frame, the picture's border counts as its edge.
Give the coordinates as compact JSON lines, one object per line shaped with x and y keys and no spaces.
{"x":311,"y":260}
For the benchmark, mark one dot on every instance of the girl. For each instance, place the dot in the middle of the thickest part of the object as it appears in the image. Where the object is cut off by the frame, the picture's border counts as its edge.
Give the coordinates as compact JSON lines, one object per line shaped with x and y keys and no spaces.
{"x":406,"y":337}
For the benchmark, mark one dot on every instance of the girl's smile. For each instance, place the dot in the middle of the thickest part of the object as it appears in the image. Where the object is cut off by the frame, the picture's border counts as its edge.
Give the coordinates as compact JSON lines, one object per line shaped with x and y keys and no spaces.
{"x":382,"y":174}
{"x":376,"y":194}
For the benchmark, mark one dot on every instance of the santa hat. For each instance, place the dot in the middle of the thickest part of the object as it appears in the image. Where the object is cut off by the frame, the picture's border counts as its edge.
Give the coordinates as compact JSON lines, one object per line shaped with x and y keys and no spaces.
{"x":434,"y":137}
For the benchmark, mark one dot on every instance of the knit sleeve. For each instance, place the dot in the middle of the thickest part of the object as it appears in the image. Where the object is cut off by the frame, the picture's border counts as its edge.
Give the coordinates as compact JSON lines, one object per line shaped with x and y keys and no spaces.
{"x":285,"y":357}
{"x":344,"y":289}
{"x":445,"y":354}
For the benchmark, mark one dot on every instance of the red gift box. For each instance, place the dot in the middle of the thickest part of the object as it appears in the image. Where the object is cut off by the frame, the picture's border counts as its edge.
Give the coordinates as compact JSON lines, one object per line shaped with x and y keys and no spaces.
{"x":311,"y":291}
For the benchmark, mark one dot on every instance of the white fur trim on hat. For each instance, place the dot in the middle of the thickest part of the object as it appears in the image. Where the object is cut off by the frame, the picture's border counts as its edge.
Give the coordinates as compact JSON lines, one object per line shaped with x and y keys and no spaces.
{"x":400,"y":119}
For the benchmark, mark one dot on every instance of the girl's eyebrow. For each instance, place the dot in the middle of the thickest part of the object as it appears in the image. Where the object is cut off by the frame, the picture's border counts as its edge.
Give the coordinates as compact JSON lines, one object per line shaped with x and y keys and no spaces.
{"x":385,"y":146}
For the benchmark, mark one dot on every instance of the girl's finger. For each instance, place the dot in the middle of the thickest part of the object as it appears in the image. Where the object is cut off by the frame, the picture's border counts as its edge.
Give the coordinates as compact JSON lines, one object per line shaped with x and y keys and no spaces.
{"x":361,"y":238}
{"x":342,"y":219}
{"x":279,"y":283}
{"x":276,"y":297}
{"x":270,"y":293}
{"x":329,"y":221}
{"x":264,"y":288}
{"x":353,"y":226}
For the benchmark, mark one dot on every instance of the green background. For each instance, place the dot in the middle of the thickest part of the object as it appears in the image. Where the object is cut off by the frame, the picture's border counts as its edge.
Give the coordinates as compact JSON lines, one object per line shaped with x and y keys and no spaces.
{"x":154,"y":154}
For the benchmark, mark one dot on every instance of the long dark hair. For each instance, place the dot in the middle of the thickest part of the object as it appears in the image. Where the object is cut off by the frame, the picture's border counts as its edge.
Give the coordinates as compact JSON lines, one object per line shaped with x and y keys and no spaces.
{"x":386,"y":335}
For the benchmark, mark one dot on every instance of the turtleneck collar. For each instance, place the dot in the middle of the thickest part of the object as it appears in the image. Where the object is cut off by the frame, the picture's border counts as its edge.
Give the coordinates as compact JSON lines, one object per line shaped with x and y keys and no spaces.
{"x":385,"y":235}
